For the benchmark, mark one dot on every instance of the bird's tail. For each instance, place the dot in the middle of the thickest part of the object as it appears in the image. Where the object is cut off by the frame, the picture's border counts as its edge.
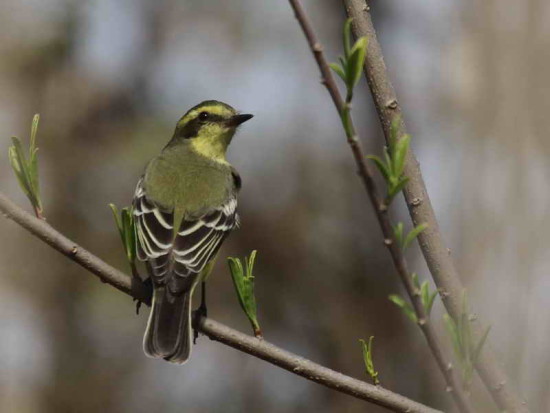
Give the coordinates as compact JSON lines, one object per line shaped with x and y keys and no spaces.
{"x":168,"y":333}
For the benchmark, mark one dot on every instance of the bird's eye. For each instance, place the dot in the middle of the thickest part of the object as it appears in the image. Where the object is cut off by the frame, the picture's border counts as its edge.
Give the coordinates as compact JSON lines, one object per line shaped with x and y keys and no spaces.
{"x":203,"y":115}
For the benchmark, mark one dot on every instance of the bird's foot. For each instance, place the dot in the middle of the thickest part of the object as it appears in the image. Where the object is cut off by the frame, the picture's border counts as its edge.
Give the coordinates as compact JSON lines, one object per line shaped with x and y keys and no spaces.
{"x":139,"y":285}
{"x":200,"y":312}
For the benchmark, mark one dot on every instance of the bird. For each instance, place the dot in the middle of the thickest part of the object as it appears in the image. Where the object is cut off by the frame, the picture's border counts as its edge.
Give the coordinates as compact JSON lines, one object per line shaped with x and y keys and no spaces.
{"x":184,"y":207}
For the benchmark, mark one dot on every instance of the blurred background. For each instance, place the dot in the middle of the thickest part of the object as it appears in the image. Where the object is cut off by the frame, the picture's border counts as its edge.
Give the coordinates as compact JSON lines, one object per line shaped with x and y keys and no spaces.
{"x":110,"y":79}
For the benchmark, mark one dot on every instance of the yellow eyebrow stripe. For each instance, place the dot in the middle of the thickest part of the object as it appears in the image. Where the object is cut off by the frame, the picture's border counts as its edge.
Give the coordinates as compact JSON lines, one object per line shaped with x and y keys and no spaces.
{"x":214,"y":109}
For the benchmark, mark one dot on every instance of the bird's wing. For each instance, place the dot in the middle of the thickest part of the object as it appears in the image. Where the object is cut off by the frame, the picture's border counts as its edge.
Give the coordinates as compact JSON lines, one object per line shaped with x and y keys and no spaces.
{"x":176,"y":261}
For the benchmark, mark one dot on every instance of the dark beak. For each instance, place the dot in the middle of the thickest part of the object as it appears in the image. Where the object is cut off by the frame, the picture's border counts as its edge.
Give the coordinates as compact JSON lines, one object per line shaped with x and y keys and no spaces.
{"x":236,"y":120}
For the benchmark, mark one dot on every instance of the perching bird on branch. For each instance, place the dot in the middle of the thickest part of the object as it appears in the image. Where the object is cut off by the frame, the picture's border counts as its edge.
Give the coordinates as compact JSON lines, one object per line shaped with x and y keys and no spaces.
{"x":184,"y":207}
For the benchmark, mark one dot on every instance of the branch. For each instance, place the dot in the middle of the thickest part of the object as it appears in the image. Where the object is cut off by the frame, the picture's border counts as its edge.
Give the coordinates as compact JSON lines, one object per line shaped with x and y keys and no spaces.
{"x":308,"y":369}
{"x":382,"y":215}
{"x":420,"y":208}
{"x":107,"y":274}
{"x":216,"y":331}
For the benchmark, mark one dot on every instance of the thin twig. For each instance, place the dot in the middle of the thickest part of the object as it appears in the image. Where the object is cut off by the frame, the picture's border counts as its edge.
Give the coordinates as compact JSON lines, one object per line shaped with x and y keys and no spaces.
{"x":307,"y":369}
{"x":382,"y":215}
{"x":420,"y":208}
{"x":216,"y":331}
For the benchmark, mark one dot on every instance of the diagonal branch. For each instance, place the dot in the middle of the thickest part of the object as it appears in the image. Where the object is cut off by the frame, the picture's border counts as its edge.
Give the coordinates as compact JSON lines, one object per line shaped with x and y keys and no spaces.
{"x":42,"y":230}
{"x":420,"y":208}
{"x":382,"y":216}
{"x":307,"y":369}
{"x":216,"y":331}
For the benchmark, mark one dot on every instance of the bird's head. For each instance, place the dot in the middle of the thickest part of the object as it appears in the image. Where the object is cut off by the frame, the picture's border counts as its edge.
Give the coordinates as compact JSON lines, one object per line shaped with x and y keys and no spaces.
{"x":209,"y":127}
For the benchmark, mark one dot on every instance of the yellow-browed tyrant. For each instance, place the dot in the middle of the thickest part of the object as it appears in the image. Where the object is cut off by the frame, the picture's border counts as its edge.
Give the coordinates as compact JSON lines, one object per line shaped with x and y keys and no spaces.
{"x":184,"y":207}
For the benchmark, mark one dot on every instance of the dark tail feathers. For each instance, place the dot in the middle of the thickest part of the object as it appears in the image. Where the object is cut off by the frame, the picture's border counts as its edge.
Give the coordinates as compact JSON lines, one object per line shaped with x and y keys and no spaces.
{"x":168,"y":333}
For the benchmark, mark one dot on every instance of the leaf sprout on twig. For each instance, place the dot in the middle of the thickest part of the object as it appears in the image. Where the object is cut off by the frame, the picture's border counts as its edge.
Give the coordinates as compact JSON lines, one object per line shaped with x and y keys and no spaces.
{"x":126,"y":228}
{"x":26,"y":168}
{"x":243,"y":280}
{"x":349,"y":70}
{"x":367,"y":358}
{"x":406,"y":240}
{"x":351,"y":64}
{"x":393,"y":165}
{"x":466,"y":351}
{"x":427,"y":297}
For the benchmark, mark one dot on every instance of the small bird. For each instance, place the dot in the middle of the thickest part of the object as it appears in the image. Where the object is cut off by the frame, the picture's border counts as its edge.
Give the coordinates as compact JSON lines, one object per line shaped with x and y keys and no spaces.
{"x":184,"y":207}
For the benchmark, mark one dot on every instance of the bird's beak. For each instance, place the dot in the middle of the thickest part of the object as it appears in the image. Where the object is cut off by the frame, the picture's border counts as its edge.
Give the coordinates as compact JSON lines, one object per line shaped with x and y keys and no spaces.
{"x":236,"y":120}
